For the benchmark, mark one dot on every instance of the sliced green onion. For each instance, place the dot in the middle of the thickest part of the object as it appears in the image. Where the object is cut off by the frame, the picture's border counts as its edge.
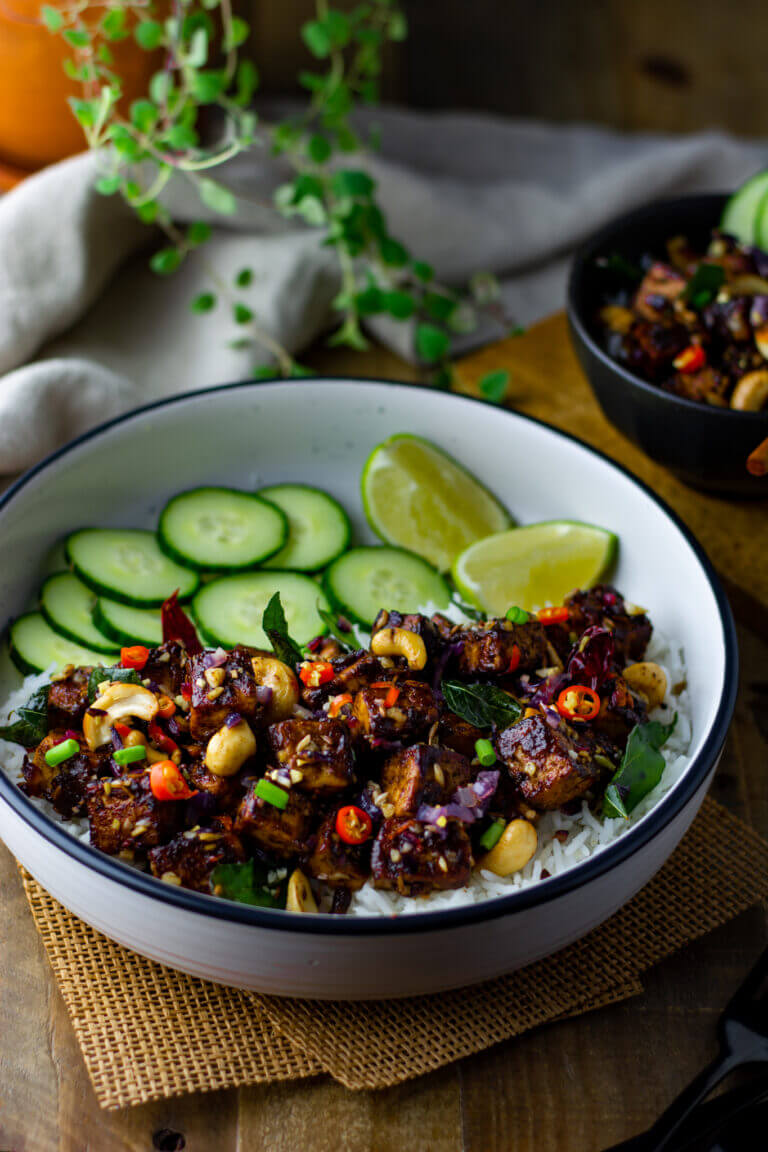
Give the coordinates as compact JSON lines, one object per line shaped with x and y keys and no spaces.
{"x":485,"y":752}
{"x":492,"y":834}
{"x":61,"y":752}
{"x":517,"y":615}
{"x":129,"y":755}
{"x":271,"y":793}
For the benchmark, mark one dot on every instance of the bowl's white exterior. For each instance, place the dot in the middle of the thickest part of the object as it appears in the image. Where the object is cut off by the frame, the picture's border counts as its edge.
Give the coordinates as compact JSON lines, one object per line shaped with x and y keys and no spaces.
{"x":321,"y":433}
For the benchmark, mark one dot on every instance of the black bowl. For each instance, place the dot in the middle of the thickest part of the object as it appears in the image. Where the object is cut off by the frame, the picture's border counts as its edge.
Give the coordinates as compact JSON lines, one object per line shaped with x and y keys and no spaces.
{"x":706,"y":447}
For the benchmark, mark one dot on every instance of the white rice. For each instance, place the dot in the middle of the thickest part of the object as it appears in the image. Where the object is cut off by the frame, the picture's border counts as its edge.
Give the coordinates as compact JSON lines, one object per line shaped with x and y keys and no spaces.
{"x":587,"y":834}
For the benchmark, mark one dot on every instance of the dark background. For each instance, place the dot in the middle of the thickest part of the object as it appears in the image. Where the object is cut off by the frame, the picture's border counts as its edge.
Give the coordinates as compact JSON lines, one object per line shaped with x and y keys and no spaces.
{"x":663,"y":65}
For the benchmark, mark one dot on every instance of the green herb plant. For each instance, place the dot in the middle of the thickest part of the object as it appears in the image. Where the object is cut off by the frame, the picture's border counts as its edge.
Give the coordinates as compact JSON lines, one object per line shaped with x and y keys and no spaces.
{"x":204,"y":78}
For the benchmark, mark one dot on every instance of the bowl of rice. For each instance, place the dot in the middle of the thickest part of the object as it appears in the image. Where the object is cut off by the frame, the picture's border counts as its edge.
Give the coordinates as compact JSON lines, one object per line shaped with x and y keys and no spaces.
{"x":321,"y":431}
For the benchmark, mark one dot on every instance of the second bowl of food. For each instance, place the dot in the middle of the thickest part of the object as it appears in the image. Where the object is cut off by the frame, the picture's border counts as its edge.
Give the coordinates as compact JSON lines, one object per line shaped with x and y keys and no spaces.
{"x":311,"y":700}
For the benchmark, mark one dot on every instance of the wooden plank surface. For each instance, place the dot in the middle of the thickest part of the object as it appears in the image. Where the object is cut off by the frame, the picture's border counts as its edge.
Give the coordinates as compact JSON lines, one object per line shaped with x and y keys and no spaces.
{"x":576,"y":1086}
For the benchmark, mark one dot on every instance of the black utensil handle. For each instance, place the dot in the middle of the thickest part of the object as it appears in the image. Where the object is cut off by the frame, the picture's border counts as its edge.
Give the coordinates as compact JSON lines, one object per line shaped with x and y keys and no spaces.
{"x":658,"y":1137}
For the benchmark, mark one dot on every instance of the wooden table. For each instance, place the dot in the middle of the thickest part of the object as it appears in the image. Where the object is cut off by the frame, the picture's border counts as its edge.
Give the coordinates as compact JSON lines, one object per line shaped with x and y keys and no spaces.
{"x":576,"y":1086}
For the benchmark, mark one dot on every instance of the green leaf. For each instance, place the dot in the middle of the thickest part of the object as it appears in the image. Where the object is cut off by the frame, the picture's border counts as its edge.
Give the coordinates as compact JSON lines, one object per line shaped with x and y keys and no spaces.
{"x":276,"y":627}
{"x":160,"y":87}
{"x":704,"y":285}
{"x":317,"y":38}
{"x":104,"y":54}
{"x":108,"y":185}
{"x":247,"y":883}
{"x":483,"y":705}
{"x":349,"y":335}
{"x":246,"y":79}
{"x":148,"y":211}
{"x":620,"y":267}
{"x":369,"y":302}
{"x":485,"y":288}
{"x":114,"y":24}
{"x":338,"y":27}
{"x":244,"y":277}
{"x":208,"y":85}
{"x":85,"y":111}
{"x":165,"y":261}
{"x":144,"y":115}
{"x":237,"y":34}
{"x":216,"y":197}
{"x":124,"y":143}
{"x":401,"y":305}
{"x":318,"y":149}
{"x":345,"y":638}
{"x":349,"y":182}
{"x":439,"y":305}
{"x":77,"y":37}
{"x":52,"y":18}
{"x":99,"y":675}
{"x":149,"y":34}
{"x":181,"y":137}
{"x":31,"y":725}
{"x":198,"y":48}
{"x":205,"y":302}
{"x":494,"y":385}
{"x":393,"y":252}
{"x":422,"y":271}
{"x":242,"y":313}
{"x":641,"y":768}
{"x":431,"y":343}
{"x":398,"y":26}
{"x":198,"y":232}
{"x":312,"y":211}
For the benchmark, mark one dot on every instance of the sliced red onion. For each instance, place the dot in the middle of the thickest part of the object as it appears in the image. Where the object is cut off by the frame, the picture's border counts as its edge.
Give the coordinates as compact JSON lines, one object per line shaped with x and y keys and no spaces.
{"x":263,"y":693}
{"x":70,"y":734}
{"x":486,"y":783}
{"x":232,"y":720}
{"x":344,"y":624}
{"x":315,"y":643}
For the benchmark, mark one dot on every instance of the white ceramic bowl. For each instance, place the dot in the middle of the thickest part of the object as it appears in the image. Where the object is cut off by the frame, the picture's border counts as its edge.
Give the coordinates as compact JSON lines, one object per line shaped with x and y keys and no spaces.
{"x":320,"y":432}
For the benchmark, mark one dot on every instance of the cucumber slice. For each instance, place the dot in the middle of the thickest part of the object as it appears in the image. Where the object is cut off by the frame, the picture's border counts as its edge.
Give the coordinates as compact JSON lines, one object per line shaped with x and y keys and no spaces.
{"x":318,"y":527}
{"x":533,"y":566}
{"x":34,"y":646}
{"x":228,"y":611}
{"x":125,"y":625}
{"x":128,"y":565}
{"x":221,"y":529}
{"x":67,"y":605}
{"x":418,"y":497}
{"x":365,"y":580}
{"x":761,"y":225}
{"x":740,"y":215}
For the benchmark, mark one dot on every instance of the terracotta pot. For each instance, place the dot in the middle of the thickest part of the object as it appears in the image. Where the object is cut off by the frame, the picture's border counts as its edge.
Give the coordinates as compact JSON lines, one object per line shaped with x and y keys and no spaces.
{"x":36,"y":124}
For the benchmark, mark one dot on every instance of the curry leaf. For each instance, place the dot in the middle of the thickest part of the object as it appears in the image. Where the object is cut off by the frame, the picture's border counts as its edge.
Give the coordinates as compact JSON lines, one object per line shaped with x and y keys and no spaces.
{"x":99,"y":675}
{"x":481,"y":704}
{"x":346,"y":638}
{"x":32,"y":723}
{"x":704,"y":285}
{"x":247,"y":884}
{"x":641,"y":768}
{"x":276,"y":627}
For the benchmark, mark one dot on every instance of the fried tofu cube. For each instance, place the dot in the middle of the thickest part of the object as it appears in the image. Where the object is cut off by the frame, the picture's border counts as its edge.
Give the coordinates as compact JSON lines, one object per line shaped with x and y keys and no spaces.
{"x":66,"y":784}
{"x":497,"y":647}
{"x":458,"y":734}
{"x":389,"y":713}
{"x":316,"y":754}
{"x":68,"y":699}
{"x":423,"y":774}
{"x":350,"y":673}
{"x":167,"y":668}
{"x":226,"y":789}
{"x":620,"y":711}
{"x":190,"y":858}
{"x":220,"y":687}
{"x":125,"y":816}
{"x":282,"y":831}
{"x":548,"y":766}
{"x":414,"y":859}
{"x":338,"y":864}
{"x":604,"y":607}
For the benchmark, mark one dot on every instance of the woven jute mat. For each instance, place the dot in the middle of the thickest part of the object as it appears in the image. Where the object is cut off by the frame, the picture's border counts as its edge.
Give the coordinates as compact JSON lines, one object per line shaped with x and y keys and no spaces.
{"x":148,"y":1032}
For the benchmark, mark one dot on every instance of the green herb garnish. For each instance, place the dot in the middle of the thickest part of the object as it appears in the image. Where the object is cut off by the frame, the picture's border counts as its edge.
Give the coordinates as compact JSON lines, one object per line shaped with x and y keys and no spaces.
{"x":492,"y":834}
{"x":641,"y":768}
{"x":517,"y":615}
{"x":331,"y":621}
{"x":117,"y":672}
{"x":620,"y":266}
{"x":271,"y":794}
{"x":276,"y":627}
{"x":485,"y":752}
{"x":32,"y":723}
{"x":482,"y":705}
{"x":247,"y":884}
{"x":60,"y":752}
{"x":704,"y":285}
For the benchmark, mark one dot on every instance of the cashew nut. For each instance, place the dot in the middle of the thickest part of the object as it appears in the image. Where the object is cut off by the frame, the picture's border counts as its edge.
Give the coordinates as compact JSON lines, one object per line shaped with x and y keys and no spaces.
{"x":229,"y":748}
{"x":513,"y":850}
{"x":761,"y":340}
{"x":649,"y":680}
{"x":299,"y":897}
{"x":272,"y":673}
{"x":118,"y":701}
{"x":616,"y":318}
{"x":751,"y":392}
{"x":401,"y":642}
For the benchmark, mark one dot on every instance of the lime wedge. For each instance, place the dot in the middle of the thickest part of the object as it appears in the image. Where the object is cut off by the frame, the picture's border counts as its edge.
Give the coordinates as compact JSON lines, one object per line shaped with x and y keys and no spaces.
{"x":417,"y":497}
{"x":533,"y":566}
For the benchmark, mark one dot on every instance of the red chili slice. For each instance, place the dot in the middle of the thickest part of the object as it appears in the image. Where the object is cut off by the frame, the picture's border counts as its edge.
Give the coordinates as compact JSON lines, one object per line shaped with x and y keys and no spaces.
{"x":353,"y":825}
{"x":553,"y":615}
{"x":579,"y":703}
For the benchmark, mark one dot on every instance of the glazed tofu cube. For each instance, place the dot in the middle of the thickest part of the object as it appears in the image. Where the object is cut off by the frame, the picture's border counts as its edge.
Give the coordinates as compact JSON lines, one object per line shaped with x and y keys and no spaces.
{"x":604,"y":607}
{"x":620,"y":711}
{"x":282,"y":831}
{"x":350,"y":673}
{"x":499,"y":646}
{"x":64,"y":785}
{"x":423,"y":774}
{"x":548,"y":766}
{"x":340,"y":865}
{"x":389,"y":713}
{"x":315,"y":754}
{"x":220,"y":687}
{"x":68,"y":699}
{"x":458,"y":734}
{"x":226,"y":789}
{"x":190,"y":858}
{"x":125,"y":816}
{"x":660,"y":286}
{"x":413,"y":858}
{"x":167,"y":668}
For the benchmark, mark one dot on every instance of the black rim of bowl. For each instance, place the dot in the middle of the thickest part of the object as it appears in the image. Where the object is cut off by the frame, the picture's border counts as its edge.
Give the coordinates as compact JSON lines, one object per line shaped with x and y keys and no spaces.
{"x":609,"y":236}
{"x":633,"y":840}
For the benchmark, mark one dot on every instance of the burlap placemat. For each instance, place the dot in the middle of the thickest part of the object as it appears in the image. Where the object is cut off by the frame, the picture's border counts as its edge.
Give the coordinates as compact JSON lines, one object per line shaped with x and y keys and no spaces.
{"x":147,"y":1032}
